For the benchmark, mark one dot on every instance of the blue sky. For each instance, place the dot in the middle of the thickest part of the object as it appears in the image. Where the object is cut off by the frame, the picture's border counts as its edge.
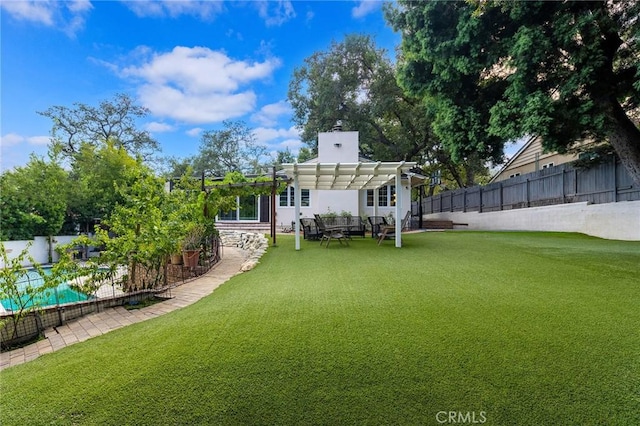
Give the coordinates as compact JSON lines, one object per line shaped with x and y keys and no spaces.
{"x":192,"y":63}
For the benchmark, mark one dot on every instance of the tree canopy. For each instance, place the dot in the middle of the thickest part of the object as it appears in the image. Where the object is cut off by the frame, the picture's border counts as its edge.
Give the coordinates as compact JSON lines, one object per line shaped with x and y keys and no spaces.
{"x":113,"y":120}
{"x":354,"y":82}
{"x":496,"y":71}
{"x":231,"y":149}
{"x":33,"y":199}
{"x":95,"y":174}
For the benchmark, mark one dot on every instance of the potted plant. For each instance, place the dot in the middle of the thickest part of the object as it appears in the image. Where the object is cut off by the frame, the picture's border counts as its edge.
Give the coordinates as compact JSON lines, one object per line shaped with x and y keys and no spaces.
{"x":192,"y":245}
{"x":176,"y":258}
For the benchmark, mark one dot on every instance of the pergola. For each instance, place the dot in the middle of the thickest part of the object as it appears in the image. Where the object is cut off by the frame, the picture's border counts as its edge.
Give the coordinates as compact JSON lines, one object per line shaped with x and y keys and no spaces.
{"x":347,"y":176}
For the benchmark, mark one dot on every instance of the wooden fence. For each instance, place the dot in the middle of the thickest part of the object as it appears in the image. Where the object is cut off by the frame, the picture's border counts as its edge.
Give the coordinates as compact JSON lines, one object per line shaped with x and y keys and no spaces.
{"x":607,"y":182}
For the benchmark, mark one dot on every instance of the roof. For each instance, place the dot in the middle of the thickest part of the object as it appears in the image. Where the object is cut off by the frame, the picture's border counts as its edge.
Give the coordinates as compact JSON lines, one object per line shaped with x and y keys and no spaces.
{"x":361,"y":175}
{"x":513,"y":158}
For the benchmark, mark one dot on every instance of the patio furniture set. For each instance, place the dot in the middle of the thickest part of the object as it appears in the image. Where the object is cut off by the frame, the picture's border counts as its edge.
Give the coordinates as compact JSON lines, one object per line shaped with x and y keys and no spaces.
{"x":342,"y":228}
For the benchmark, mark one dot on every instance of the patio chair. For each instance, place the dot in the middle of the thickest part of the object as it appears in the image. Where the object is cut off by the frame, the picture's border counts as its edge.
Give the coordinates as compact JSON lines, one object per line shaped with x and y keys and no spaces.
{"x":406,"y":222}
{"x":330,"y":233}
{"x":310,"y":229}
{"x":386,"y":232}
{"x":355,"y":226}
{"x":376,"y":222}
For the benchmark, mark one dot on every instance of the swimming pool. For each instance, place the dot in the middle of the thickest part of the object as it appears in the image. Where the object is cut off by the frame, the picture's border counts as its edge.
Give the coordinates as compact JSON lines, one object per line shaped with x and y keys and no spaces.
{"x":63,"y":293}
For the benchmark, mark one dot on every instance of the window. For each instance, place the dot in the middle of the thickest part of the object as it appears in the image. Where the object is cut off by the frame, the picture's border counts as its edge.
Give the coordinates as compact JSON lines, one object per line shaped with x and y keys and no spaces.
{"x":383,"y":193}
{"x":386,"y":196}
{"x":304,"y":198}
{"x":546,"y":166}
{"x":514,"y":175}
{"x":284,"y":197}
{"x":287,"y":198}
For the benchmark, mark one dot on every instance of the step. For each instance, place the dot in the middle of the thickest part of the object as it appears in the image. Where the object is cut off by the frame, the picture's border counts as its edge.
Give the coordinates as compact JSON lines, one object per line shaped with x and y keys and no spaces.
{"x":261,"y":227}
{"x":437,"y":224}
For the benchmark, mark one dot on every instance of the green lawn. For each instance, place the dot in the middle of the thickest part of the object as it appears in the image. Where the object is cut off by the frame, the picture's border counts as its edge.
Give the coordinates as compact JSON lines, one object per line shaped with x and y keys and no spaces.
{"x":516,"y":328}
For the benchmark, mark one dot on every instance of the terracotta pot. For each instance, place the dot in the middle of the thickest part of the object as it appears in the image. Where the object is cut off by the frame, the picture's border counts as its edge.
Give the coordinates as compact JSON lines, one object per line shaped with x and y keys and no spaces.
{"x":191,"y":257}
{"x":176,"y":259}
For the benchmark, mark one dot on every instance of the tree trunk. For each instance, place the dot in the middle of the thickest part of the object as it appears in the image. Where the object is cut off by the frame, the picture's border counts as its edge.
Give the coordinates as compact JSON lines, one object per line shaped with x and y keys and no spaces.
{"x":471,"y":175}
{"x":455,"y":173}
{"x":624,"y":136}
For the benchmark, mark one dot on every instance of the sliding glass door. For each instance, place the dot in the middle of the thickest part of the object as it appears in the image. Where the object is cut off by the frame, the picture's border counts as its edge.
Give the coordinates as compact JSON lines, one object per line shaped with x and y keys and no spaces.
{"x":247,"y":210}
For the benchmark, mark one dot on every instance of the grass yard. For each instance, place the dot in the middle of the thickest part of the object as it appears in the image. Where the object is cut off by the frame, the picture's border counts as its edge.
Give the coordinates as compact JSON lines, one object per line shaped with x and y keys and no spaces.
{"x":511,"y":328}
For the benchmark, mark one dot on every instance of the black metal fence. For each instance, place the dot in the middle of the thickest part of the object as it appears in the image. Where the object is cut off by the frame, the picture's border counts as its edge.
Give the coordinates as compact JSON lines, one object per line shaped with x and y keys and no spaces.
{"x":109,"y":294}
{"x":607,"y":182}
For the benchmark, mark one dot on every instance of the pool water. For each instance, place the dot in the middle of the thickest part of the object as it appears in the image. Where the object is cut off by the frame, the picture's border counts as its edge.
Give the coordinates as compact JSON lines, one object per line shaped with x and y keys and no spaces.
{"x":52,"y":297}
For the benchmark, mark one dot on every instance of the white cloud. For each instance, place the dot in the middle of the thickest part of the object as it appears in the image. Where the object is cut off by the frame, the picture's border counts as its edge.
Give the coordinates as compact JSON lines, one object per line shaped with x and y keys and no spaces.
{"x":195,"y":132}
{"x":205,"y":10}
{"x":155,"y":127}
{"x":38,"y":140}
{"x":269,"y":114}
{"x":275,"y":12}
{"x":35,"y":11}
{"x":68,"y":16}
{"x":79,"y":6}
{"x":231,"y":33}
{"x":198,"y":85}
{"x":293,"y":144}
{"x":12,"y":139}
{"x":309,"y":16}
{"x":265,"y":135}
{"x":365,"y":7}
{"x":195,"y":108}
{"x":15,"y":149}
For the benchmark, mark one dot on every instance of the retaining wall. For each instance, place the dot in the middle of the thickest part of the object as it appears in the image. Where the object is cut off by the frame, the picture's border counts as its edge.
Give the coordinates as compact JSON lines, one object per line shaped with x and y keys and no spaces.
{"x":253,"y":245}
{"x":614,"y":221}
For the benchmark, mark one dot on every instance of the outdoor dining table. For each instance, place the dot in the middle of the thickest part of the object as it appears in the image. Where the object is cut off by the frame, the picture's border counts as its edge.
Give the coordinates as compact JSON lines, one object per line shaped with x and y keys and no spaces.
{"x":337,"y":232}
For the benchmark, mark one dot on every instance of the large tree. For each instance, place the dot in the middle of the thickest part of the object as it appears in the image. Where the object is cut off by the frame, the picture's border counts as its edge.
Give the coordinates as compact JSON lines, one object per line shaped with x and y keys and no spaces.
{"x":354,"y":82}
{"x":233,"y":148}
{"x":33,"y":200}
{"x":95,"y":174}
{"x":496,"y":70}
{"x":113,"y":120}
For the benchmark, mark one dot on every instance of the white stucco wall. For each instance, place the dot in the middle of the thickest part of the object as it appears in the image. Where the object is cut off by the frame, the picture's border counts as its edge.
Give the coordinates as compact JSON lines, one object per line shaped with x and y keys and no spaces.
{"x":39,"y":249}
{"x":338,"y":147}
{"x":615,"y":221}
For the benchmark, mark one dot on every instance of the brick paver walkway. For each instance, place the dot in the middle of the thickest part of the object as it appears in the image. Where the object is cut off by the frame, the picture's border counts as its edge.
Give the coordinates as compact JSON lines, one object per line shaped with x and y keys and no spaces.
{"x":113,"y":318}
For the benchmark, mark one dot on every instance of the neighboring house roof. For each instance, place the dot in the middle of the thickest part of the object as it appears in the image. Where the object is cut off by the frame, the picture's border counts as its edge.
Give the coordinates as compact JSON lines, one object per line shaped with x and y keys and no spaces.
{"x":531,"y":157}
{"x":513,"y":158}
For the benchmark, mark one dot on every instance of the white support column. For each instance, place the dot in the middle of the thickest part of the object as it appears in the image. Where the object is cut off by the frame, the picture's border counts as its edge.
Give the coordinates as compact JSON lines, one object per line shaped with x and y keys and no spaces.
{"x":296,"y":199}
{"x":376,"y":197}
{"x":398,"y":207}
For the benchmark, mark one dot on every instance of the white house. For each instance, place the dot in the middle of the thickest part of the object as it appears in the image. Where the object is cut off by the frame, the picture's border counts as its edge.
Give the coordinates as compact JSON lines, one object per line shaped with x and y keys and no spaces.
{"x":342,"y":148}
{"x":352,"y":185}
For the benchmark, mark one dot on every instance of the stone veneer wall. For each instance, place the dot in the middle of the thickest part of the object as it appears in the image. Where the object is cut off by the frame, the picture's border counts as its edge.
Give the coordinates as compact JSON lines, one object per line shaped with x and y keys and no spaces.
{"x":254,"y":245}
